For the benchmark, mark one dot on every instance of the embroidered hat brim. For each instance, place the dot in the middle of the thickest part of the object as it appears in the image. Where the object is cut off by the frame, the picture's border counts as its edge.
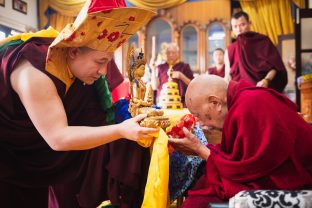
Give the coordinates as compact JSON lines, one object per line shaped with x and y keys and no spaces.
{"x":104,"y":30}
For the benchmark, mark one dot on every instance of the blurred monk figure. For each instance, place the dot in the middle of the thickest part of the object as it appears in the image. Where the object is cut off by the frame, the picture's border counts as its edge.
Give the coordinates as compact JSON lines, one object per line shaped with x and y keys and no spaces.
{"x":218,"y":59}
{"x":253,"y":57}
{"x":182,"y":73}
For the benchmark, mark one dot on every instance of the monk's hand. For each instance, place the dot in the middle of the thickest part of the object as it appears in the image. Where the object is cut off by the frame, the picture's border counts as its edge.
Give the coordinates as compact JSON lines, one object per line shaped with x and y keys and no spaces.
{"x":189,"y":145}
{"x":176,"y":75}
{"x":130,"y":129}
{"x":263,"y":83}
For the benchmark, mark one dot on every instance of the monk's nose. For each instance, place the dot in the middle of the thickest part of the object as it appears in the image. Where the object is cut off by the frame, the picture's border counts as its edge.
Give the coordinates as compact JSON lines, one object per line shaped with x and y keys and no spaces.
{"x":102,"y":70}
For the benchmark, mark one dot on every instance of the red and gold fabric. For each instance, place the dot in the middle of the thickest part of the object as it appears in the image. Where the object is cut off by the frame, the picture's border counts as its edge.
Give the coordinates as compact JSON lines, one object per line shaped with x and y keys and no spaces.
{"x":100,"y":25}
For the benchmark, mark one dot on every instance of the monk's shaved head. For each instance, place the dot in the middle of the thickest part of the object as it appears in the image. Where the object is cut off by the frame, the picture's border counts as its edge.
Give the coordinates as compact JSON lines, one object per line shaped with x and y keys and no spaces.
{"x":205,"y":85}
{"x":206,"y":99}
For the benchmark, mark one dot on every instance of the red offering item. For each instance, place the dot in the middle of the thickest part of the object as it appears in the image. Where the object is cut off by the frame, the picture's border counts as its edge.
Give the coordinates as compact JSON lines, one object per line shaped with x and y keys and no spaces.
{"x":188,"y":121}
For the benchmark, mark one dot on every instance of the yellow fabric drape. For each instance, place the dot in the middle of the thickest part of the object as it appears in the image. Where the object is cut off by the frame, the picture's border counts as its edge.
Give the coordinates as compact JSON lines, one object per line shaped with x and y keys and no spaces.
{"x":300,"y":3}
{"x":272,"y":18}
{"x":59,"y":21}
{"x":156,"y":189}
{"x":156,"y":4}
{"x":65,"y":9}
{"x":48,"y":33}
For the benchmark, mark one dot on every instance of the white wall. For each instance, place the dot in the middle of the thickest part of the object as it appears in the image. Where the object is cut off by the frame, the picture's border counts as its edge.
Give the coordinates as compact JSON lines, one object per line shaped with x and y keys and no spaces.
{"x":17,"y":20}
{"x":310,"y":4}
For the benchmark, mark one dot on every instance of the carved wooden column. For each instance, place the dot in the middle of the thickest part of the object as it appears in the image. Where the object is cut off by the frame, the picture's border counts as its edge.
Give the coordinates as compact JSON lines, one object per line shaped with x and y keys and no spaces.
{"x":176,"y":37}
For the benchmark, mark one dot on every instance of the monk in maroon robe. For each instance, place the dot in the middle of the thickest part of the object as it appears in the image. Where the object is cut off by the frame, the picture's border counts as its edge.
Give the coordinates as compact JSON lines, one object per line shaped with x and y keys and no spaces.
{"x":253,"y":57}
{"x":28,"y":165}
{"x":54,"y":101}
{"x":217,"y":71}
{"x":218,"y":59}
{"x":268,"y":147}
{"x":182,"y":73}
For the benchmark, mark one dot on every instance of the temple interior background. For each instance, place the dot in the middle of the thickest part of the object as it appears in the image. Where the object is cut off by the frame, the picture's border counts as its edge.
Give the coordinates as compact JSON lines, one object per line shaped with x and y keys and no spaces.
{"x":197,"y":26}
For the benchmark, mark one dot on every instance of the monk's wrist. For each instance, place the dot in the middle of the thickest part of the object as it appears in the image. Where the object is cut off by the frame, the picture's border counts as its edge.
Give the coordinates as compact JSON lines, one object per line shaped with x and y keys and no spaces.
{"x":267,"y":80}
{"x":203,"y":151}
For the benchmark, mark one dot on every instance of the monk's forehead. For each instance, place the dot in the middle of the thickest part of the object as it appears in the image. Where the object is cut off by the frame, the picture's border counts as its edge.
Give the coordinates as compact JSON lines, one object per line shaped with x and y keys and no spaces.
{"x":172,"y":49}
{"x":193,"y":97}
{"x":238,"y":20}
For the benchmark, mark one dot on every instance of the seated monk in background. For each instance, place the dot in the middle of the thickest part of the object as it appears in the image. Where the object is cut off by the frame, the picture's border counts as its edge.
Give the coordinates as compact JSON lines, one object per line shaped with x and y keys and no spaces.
{"x":218,"y":59}
{"x":181,"y":72}
{"x":261,"y":148}
{"x":253,"y":57}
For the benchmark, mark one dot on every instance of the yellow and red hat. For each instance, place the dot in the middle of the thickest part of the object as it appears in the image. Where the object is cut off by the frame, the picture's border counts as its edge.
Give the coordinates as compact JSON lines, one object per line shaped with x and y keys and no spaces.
{"x":103,"y":25}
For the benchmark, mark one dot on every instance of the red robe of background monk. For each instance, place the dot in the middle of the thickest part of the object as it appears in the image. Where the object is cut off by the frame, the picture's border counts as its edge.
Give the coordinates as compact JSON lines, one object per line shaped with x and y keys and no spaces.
{"x":252,"y":56}
{"x":214,"y":70}
{"x":181,"y":67}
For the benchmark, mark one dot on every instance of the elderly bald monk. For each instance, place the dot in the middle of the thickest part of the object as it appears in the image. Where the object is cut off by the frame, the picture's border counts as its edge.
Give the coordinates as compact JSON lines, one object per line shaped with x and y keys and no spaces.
{"x":268,"y":147}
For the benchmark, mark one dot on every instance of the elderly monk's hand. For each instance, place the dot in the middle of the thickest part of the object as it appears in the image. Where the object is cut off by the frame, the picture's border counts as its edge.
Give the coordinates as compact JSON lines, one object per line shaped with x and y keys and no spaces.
{"x":130,"y":129}
{"x":188,"y":145}
{"x":263,"y":83}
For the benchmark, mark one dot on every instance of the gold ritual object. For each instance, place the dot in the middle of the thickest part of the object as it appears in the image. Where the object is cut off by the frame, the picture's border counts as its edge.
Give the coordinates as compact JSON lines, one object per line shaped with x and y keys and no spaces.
{"x":142,"y":97}
{"x":169,"y":95}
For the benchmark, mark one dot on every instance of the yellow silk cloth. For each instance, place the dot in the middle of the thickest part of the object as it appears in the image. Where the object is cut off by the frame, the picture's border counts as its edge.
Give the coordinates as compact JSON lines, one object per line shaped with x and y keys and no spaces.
{"x":156,"y":189}
{"x":156,"y":193}
{"x":156,"y":4}
{"x":48,"y":33}
{"x":272,"y":18}
{"x":300,"y":3}
{"x":66,"y":10}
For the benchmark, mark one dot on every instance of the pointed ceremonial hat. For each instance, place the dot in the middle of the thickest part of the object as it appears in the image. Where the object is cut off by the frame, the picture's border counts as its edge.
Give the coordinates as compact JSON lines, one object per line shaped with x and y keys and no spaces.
{"x":103,"y":25}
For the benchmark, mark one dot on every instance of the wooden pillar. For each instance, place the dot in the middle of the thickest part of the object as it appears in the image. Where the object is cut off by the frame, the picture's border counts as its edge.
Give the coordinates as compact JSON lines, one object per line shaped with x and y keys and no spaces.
{"x":202,"y":50}
{"x":176,"y":37}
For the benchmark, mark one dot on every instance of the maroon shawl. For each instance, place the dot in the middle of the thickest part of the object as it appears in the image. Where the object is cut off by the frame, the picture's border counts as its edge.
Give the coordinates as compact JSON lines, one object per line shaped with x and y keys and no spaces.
{"x":268,"y":147}
{"x":163,"y":77}
{"x":252,"y":56}
{"x":88,"y":176}
{"x":215,"y":71}
{"x":113,"y":76}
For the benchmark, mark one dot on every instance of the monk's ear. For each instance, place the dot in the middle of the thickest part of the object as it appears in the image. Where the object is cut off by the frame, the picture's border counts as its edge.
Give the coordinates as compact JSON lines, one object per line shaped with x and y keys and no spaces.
{"x":215,"y":101}
{"x":249,"y":23}
{"x":73,"y":52}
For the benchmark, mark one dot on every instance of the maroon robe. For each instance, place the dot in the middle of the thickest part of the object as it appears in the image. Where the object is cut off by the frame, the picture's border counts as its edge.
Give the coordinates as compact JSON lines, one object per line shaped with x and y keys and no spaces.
{"x":215,"y":71}
{"x":163,"y":77}
{"x":28,"y":165}
{"x":252,"y":56}
{"x":268,"y":147}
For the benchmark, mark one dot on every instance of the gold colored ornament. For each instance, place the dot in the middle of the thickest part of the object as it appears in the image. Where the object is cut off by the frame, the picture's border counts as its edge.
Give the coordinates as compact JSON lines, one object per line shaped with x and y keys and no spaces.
{"x":142,"y":99}
{"x":169,"y":95}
